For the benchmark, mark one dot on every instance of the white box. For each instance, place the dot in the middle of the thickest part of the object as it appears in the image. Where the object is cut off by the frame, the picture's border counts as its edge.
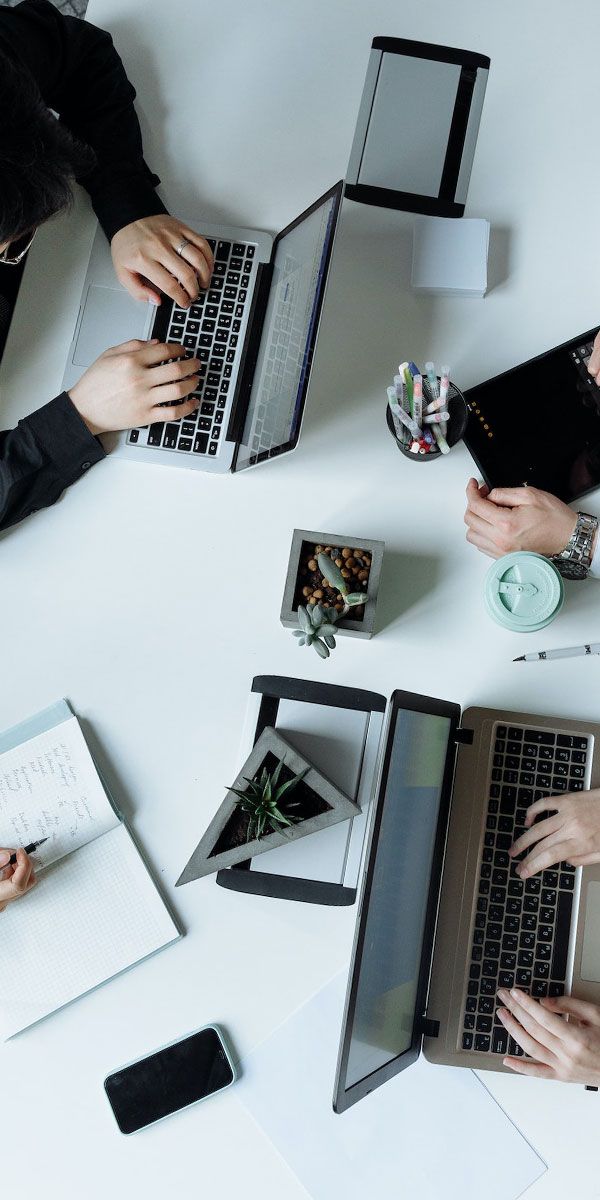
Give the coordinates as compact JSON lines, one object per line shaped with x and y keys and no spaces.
{"x":450,"y":255}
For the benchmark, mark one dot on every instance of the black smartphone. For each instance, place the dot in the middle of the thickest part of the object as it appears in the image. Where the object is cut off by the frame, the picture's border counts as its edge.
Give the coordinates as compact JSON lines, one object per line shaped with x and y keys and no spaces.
{"x":169,"y":1079}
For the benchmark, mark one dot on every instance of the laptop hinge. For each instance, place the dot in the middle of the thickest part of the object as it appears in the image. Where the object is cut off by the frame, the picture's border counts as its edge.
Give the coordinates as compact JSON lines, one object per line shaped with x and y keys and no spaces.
{"x":464,"y":737}
{"x":254,"y":328}
{"x":429,"y":1028}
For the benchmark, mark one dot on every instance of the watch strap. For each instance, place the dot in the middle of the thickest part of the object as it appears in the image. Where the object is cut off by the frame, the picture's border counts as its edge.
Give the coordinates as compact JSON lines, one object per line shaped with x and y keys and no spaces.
{"x":578,"y":551}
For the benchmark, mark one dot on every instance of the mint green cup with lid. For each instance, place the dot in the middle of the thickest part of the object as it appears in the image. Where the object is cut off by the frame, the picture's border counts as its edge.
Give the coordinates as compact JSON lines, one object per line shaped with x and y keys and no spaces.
{"x":523,"y":591}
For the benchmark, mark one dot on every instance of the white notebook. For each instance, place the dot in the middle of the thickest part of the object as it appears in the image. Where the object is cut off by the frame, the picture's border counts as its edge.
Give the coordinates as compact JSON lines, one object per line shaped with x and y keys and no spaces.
{"x":95,"y":910}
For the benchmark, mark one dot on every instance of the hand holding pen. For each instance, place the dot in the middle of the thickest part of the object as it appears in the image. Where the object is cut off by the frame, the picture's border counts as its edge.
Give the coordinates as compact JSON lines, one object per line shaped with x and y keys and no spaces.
{"x":17,"y":875}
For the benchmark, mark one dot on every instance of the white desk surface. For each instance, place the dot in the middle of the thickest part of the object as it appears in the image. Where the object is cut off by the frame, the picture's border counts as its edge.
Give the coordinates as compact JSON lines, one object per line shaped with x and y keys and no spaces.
{"x":248,"y":112}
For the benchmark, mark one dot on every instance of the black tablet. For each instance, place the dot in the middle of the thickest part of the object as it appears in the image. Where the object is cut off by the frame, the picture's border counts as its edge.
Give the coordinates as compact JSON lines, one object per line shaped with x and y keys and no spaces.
{"x":539,"y":423}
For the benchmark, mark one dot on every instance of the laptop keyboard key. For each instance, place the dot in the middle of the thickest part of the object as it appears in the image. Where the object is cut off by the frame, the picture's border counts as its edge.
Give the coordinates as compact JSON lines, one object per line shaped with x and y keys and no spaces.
{"x":506,"y":979}
{"x":499,"y":1040}
{"x":561,"y":939}
{"x":155,"y":434}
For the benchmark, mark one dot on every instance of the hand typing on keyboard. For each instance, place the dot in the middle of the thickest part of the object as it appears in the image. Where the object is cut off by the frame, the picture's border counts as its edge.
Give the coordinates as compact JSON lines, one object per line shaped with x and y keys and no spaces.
{"x":570,"y":834}
{"x":557,"y":1048}
{"x":145,"y":253}
{"x":129,"y":385}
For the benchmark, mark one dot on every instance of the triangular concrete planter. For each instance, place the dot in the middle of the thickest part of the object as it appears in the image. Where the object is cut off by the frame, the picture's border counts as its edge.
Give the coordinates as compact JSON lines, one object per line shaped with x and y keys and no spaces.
{"x":338,"y":807}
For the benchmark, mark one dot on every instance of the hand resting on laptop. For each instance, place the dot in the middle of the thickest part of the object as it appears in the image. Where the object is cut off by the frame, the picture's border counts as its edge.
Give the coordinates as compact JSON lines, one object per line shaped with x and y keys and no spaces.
{"x":125,"y":386}
{"x":15,"y":880}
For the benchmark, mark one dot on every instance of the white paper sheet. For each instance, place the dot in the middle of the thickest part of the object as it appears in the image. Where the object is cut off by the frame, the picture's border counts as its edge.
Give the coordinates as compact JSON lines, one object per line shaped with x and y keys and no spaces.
{"x":431,"y":1132}
{"x":49,"y":788}
{"x":92,"y":915}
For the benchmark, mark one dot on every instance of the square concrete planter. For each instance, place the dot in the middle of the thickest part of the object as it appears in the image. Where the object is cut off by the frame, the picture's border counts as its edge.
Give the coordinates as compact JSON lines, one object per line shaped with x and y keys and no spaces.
{"x":318,"y":794}
{"x":304,"y":540}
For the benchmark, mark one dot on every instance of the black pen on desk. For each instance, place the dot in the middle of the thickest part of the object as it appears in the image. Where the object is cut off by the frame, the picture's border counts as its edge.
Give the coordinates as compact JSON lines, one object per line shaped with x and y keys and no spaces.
{"x":28,"y":850}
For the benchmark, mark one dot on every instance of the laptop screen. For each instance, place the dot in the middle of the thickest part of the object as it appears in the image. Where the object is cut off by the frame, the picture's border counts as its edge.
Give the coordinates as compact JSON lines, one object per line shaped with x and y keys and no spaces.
{"x":300,"y":266}
{"x":390,"y":967}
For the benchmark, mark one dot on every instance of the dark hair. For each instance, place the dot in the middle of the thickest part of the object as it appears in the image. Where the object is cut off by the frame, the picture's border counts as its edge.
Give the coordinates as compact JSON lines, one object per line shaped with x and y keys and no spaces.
{"x":39,"y":157}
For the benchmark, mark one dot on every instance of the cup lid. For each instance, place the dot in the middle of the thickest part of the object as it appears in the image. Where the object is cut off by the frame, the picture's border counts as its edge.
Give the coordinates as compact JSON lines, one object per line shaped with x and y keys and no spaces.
{"x":523,"y":591}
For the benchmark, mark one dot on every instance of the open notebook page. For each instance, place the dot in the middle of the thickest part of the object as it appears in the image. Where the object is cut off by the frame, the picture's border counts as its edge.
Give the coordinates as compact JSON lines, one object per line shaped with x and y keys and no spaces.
{"x":91,"y":915}
{"x":49,"y":787}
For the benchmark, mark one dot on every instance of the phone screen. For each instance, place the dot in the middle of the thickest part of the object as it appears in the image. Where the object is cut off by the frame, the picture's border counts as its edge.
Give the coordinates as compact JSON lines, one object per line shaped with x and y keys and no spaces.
{"x":169,"y":1080}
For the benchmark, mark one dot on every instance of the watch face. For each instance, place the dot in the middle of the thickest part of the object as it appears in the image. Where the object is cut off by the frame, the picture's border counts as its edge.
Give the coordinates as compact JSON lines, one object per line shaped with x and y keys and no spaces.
{"x":570,"y":570}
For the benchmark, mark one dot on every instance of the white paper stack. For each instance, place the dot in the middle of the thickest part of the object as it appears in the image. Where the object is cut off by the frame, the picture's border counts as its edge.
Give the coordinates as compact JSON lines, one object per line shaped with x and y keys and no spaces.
{"x":450,"y":255}
{"x":413,"y":1137}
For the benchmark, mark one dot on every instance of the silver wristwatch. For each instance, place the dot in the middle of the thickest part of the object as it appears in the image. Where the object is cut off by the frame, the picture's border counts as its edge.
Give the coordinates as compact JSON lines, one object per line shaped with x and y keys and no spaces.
{"x":575,"y":560}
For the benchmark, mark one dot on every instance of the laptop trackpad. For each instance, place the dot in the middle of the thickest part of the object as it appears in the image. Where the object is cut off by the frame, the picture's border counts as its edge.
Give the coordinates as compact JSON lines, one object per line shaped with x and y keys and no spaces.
{"x":590,"y":955}
{"x":110,"y":316}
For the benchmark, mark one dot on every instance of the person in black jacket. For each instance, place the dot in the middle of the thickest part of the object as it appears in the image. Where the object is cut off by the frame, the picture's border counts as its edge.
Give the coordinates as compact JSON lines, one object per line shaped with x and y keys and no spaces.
{"x":54,"y":64}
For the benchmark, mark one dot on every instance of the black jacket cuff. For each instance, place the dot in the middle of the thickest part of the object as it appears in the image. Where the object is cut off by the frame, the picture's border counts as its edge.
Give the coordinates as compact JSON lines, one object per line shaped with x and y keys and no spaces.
{"x":64,"y":438}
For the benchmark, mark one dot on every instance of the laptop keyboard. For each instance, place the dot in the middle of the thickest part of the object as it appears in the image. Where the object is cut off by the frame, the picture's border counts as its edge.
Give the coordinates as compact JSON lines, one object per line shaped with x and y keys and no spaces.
{"x":521,"y":928}
{"x":211,"y":329}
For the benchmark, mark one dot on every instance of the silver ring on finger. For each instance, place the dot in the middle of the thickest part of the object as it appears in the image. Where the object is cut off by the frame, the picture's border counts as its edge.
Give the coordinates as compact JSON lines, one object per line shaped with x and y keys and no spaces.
{"x":182,"y":245}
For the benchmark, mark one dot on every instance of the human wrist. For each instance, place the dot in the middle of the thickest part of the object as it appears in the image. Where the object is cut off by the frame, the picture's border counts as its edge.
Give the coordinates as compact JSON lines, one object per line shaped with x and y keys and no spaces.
{"x":565,"y":529}
{"x":79,"y":404}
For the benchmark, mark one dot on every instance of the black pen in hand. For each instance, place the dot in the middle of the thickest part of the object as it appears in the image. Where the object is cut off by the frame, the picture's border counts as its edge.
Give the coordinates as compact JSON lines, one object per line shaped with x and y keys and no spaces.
{"x":28,"y":850}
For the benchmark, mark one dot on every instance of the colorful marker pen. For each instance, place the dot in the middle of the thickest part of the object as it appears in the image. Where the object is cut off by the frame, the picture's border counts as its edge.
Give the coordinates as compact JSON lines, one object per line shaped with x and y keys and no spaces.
{"x":444,"y":386}
{"x":400,"y":387}
{"x":438,"y":418}
{"x":418,"y":399}
{"x":444,"y":383}
{"x":432,"y":379}
{"x":440,"y":439}
{"x":401,"y":415}
{"x":403,"y":370}
{"x":434,"y":405}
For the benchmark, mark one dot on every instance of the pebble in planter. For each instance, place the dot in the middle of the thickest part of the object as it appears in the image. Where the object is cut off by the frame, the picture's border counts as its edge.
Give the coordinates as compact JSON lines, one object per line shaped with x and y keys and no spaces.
{"x":277,"y":797}
{"x":317,"y":624}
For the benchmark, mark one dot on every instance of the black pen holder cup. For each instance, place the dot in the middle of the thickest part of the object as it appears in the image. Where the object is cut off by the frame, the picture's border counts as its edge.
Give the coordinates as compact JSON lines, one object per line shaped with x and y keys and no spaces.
{"x":456,"y":426}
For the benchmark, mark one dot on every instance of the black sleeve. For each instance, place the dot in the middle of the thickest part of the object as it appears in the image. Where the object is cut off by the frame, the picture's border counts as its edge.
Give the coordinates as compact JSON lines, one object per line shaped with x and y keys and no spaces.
{"x":40,"y":458}
{"x":81,"y":77}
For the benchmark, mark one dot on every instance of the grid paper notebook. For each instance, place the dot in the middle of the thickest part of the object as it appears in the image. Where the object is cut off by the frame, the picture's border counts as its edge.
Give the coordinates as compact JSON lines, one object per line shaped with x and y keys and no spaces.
{"x":95,"y":910}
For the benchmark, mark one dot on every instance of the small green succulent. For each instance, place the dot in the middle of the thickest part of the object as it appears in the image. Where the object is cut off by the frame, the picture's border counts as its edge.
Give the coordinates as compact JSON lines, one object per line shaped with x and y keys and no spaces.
{"x":317,"y":622}
{"x":331,"y":574}
{"x":262,"y":798}
{"x":317,"y":627}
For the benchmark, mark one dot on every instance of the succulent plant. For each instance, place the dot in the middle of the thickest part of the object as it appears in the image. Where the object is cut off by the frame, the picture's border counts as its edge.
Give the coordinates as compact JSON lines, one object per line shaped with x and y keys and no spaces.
{"x":262,"y":798}
{"x":317,"y":628}
{"x":331,"y":574}
{"x":316,"y":623}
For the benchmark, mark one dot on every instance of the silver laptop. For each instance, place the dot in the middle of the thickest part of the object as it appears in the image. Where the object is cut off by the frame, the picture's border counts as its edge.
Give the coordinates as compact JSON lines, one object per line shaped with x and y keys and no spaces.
{"x":444,"y":920}
{"x":254,"y":330}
